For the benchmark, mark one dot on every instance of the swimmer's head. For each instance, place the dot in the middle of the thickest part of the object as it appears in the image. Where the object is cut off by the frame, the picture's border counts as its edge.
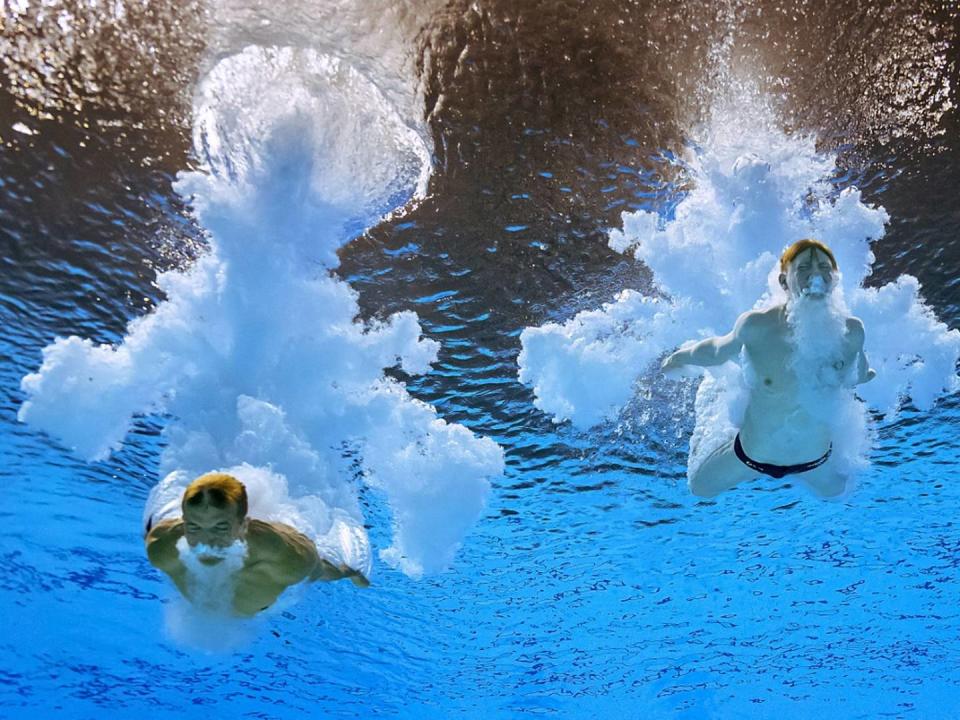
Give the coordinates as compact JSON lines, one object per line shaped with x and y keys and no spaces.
{"x":214,"y":510}
{"x":808,"y":269}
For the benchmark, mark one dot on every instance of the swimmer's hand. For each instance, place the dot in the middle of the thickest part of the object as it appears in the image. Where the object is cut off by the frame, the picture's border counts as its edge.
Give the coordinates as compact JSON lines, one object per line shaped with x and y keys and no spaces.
{"x":865,"y":373}
{"x":677,"y":367}
{"x":356,"y":577}
{"x":673,"y":362}
{"x":326,"y":570}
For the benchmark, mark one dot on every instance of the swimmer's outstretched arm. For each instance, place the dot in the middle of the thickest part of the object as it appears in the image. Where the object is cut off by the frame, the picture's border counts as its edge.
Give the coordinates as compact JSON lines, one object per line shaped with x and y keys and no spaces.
{"x":711,"y":351}
{"x":289,"y":556}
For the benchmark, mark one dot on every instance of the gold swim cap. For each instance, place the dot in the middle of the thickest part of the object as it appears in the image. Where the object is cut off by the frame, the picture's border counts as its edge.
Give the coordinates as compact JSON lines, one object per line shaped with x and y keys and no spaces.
{"x":218,"y":489}
{"x":801,"y":245}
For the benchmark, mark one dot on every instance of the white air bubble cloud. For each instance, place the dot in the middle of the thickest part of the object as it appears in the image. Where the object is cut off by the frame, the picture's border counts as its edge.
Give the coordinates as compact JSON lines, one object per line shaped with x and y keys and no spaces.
{"x":256,"y":353}
{"x":755,"y":191}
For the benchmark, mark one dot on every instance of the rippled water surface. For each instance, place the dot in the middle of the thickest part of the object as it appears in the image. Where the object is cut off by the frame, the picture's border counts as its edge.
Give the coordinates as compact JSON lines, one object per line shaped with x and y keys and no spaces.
{"x":593,"y":583}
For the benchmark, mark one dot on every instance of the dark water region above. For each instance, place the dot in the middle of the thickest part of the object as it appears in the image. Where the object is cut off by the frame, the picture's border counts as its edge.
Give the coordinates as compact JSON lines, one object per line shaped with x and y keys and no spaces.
{"x":590,"y":577}
{"x":548,"y":119}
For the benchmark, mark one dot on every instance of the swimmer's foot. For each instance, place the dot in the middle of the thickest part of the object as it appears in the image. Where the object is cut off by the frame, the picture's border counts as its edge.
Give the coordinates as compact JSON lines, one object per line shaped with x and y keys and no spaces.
{"x":358,"y":579}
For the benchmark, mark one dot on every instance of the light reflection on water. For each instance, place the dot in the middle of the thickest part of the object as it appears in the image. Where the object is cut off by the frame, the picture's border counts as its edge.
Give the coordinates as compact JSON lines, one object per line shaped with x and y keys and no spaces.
{"x":594,"y":582}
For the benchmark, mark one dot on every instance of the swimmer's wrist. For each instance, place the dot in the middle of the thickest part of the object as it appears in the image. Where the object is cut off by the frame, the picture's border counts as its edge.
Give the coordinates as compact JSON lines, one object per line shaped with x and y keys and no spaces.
{"x":356,"y":577}
{"x":675,"y":360}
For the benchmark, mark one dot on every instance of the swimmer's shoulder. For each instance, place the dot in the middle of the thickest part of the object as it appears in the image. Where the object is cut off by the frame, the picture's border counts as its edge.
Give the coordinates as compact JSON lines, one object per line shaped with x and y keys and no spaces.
{"x":275,"y":535}
{"x":281,"y":551}
{"x":172,"y":528}
{"x":754,"y":325}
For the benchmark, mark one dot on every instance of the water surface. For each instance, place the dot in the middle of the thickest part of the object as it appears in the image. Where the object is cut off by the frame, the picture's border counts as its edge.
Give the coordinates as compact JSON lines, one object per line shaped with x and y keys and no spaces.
{"x":593,"y":583}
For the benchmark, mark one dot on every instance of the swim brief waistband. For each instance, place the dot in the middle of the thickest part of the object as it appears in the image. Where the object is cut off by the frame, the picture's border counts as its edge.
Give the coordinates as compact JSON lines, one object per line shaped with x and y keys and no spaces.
{"x":778,"y":471}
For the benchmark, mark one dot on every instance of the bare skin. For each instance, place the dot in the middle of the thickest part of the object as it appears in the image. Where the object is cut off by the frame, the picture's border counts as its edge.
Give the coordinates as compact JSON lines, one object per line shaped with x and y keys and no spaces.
{"x":776,"y":428}
{"x":278,"y":556}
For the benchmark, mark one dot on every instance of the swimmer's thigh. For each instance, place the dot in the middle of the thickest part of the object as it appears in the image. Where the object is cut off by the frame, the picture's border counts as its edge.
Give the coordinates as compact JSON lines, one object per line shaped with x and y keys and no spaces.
{"x":721,"y":470}
{"x":825,"y":481}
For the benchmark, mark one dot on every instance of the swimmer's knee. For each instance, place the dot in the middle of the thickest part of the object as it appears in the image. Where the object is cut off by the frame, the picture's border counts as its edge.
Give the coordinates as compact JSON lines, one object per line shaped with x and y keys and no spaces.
{"x":703,"y":494}
{"x":699,"y":486}
{"x":832,"y":488}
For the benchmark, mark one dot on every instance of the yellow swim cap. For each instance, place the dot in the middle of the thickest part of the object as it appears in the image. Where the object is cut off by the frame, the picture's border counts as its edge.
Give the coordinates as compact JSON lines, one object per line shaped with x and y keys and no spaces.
{"x":218,"y":489}
{"x":799,"y":246}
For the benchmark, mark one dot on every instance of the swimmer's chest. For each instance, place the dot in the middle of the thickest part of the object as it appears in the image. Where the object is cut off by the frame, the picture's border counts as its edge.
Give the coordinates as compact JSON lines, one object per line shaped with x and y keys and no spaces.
{"x":768,"y":365}
{"x":254,"y":590}
{"x":770,"y":368}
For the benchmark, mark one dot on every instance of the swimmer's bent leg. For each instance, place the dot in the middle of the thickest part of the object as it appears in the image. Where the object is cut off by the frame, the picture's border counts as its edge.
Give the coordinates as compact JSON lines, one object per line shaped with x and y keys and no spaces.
{"x":825,"y":481}
{"x":721,"y":470}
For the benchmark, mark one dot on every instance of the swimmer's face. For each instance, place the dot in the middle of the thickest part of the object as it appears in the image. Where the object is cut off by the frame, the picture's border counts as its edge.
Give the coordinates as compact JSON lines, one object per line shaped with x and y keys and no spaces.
{"x":811,"y":274}
{"x":209,"y":525}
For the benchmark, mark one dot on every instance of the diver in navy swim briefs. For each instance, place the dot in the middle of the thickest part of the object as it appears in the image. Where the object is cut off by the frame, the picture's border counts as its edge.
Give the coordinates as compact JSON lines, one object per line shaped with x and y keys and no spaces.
{"x":798,"y":357}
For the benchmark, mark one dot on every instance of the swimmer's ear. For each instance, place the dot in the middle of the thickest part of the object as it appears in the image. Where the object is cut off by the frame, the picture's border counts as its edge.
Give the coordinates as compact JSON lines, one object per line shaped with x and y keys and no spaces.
{"x":783,"y":281}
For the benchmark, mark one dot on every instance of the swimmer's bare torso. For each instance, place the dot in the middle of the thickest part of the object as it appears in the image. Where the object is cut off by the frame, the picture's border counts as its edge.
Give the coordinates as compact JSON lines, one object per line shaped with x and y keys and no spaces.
{"x":777,"y":427}
{"x":779,"y":436}
{"x":278,"y":556}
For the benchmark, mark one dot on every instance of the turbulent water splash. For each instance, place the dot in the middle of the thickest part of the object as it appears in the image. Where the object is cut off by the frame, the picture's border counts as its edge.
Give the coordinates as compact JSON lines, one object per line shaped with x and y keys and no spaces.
{"x":755,"y":191}
{"x":256,"y":353}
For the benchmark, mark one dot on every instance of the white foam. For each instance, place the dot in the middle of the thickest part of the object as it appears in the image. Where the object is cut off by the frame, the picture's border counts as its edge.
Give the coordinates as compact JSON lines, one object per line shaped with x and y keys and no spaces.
{"x":816,"y":286}
{"x":211,"y":587}
{"x":755,"y":190}
{"x":209,"y":632}
{"x":256,"y":353}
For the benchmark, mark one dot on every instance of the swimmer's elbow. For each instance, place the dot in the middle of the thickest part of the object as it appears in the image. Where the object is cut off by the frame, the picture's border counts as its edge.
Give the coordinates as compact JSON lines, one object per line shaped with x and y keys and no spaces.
{"x":864,"y":372}
{"x":729,"y":351}
{"x":703,"y":494}
{"x":715,"y":351}
{"x":286,"y":572}
{"x":161,"y":544}
{"x":300,"y":566}
{"x":162,"y":555}
{"x":152,"y":553}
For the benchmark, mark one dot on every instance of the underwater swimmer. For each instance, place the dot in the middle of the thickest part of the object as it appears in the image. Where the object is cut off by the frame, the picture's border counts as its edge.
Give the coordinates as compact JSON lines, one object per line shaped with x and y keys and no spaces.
{"x":215,"y":545}
{"x":800,"y":355}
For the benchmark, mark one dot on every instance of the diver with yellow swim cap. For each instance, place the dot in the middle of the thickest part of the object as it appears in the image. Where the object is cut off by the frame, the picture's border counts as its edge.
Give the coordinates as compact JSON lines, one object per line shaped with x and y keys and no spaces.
{"x":799,"y":355}
{"x":247,"y":562}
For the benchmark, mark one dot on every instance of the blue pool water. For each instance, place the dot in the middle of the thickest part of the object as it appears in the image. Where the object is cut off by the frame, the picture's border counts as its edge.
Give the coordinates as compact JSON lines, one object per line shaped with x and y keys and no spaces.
{"x":593,"y":583}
